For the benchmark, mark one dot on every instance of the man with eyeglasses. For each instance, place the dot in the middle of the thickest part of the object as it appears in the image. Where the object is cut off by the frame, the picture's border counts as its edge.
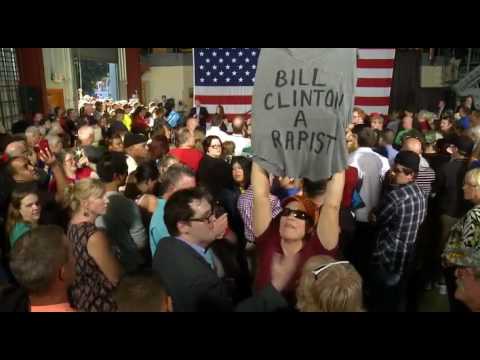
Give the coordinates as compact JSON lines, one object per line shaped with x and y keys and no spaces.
{"x":181,"y":264}
{"x":397,"y":219}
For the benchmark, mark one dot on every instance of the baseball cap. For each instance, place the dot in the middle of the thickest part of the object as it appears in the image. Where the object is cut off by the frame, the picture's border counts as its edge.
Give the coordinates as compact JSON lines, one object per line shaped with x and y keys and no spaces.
{"x":409,"y":159}
{"x":463,"y":143}
{"x":133,"y":139}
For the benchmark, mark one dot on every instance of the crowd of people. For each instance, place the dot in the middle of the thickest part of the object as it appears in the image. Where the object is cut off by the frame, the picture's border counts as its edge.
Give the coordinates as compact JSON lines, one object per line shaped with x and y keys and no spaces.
{"x":124,"y":207}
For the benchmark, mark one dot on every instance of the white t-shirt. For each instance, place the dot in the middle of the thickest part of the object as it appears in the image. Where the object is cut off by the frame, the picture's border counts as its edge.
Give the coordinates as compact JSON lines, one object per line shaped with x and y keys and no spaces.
{"x":132,"y":164}
{"x":240,"y":143}
{"x":215,"y":131}
{"x":371,"y":170}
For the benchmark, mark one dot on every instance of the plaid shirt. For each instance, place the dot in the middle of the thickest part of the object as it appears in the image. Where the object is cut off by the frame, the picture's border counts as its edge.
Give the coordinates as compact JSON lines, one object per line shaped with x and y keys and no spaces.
{"x":245,"y":204}
{"x":399,"y":216}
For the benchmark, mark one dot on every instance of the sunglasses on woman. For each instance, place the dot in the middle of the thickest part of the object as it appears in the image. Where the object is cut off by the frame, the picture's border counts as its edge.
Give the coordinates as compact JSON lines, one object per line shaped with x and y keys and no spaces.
{"x":297,"y":214}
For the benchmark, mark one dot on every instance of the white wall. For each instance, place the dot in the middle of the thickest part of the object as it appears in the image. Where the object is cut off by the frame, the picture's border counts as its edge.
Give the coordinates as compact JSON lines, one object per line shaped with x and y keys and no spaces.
{"x":172,"y":81}
{"x":58,"y":60}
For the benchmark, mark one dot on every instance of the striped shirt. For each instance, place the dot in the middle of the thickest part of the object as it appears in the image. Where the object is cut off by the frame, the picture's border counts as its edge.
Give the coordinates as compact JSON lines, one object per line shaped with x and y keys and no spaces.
{"x":425,"y":177}
{"x":245,"y":204}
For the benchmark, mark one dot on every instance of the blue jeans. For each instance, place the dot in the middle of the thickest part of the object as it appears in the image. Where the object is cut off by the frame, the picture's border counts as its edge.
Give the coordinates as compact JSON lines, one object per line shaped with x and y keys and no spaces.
{"x":386,"y":292}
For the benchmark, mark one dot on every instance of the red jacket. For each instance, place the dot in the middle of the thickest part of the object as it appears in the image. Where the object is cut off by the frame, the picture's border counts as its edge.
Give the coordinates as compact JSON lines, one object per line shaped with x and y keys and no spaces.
{"x":140,"y":123}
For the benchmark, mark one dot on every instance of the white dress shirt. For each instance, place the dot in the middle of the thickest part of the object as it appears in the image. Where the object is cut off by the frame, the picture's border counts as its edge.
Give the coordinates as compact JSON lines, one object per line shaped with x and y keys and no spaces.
{"x":371,"y":170}
{"x":132,"y":164}
{"x":240,"y":143}
{"x":216,"y":131}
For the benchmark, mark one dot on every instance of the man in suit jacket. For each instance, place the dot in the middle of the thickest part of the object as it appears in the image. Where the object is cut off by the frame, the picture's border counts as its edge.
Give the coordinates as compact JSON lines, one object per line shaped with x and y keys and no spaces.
{"x":201,"y":113}
{"x":181,"y":265}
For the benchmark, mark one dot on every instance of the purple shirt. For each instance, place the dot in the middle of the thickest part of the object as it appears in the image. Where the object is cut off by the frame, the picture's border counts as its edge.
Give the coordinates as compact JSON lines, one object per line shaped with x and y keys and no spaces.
{"x":244,"y":205}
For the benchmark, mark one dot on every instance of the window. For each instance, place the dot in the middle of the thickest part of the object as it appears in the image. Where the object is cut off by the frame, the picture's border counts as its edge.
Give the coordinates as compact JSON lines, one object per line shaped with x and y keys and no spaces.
{"x":9,"y":96}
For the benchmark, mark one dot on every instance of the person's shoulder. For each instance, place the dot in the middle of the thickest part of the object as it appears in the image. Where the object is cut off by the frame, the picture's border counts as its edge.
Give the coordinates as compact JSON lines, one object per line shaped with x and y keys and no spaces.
{"x":274,"y":198}
{"x":118,"y":197}
{"x":351,"y":172}
{"x":414,"y":187}
{"x":271,"y":234}
{"x":20,"y":226}
{"x":18,"y":231}
{"x":353,"y":155}
{"x":148,"y":201}
{"x":383,"y":158}
{"x":93,"y":233}
{"x":161,"y":202}
{"x":247,"y":195}
{"x":394,"y":194}
{"x":168,"y":242}
{"x":168,"y":246}
{"x":197,"y":153}
{"x":407,"y":192}
{"x":474,"y":215}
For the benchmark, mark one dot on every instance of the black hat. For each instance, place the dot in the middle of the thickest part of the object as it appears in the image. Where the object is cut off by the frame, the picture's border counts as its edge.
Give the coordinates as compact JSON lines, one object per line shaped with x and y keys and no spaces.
{"x":409,"y":159}
{"x":133,"y":139}
{"x":463,"y":143}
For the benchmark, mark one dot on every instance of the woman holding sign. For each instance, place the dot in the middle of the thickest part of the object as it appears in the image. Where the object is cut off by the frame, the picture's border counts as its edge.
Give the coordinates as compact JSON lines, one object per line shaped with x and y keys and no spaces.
{"x":299,"y":231}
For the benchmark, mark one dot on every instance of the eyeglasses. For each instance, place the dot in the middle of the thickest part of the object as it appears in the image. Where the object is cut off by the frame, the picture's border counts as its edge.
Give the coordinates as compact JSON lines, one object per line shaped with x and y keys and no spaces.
{"x":206,"y":220}
{"x":297,"y":214}
{"x":216,"y":146}
{"x":317,"y":271}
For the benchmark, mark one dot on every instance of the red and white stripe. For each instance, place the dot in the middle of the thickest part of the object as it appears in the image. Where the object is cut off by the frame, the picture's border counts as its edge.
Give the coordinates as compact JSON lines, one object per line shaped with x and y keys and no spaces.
{"x":236,"y":100}
{"x":375,"y":74}
{"x":372,"y":94}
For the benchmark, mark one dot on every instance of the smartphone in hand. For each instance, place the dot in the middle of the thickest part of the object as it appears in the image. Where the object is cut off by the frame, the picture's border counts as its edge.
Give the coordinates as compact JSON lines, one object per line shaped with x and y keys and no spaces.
{"x":42,"y":145}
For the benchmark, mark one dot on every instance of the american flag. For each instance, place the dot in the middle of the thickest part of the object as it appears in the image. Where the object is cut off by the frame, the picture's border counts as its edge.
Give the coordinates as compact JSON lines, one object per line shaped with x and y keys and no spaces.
{"x":226,"y":76}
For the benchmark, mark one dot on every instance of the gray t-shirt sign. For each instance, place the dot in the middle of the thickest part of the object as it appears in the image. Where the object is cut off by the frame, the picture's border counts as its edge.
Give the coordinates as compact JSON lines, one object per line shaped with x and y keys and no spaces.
{"x":302,"y":103}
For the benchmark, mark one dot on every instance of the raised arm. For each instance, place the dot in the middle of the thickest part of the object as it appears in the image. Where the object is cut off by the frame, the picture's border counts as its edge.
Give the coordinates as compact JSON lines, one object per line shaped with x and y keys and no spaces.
{"x":328,"y":227}
{"x":48,"y":158}
{"x":262,"y":211}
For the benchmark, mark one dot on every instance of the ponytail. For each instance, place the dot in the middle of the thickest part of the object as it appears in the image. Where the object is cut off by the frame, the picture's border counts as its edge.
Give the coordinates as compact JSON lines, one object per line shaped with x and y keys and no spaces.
{"x":81,"y":191}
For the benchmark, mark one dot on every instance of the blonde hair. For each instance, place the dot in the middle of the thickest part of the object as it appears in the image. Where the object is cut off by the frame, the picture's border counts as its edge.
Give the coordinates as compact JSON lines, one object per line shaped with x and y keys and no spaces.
{"x":165,"y":163}
{"x":474,"y":134}
{"x":183,"y":135}
{"x":361,"y":113}
{"x":336,"y":289}
{"x":81,"y":191}
{"x":228,"y":148}
{"x":474,"y":175}
{"x":199,"y":137}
